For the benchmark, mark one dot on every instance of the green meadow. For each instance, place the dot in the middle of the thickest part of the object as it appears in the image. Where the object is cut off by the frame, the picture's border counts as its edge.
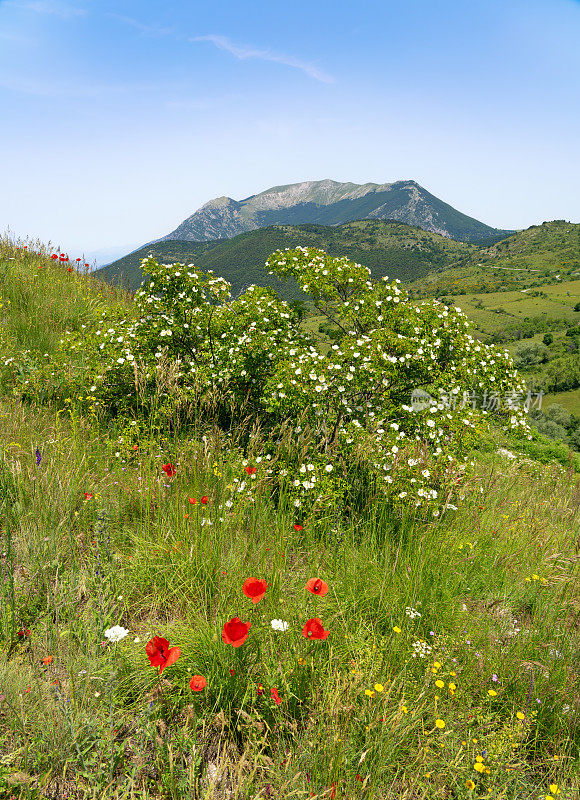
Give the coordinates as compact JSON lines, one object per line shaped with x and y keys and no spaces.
{"x":452,"y":661}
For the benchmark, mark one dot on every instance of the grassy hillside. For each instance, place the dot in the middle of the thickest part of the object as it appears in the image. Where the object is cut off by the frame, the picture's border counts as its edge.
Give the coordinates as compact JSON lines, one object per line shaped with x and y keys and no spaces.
{"x":494,"y":311}
{"x":450,"y":671}
{"x":540,"y":255}
{"x":553,"y":246}
{"x":387,"y":248}
{"x":431,"y":265}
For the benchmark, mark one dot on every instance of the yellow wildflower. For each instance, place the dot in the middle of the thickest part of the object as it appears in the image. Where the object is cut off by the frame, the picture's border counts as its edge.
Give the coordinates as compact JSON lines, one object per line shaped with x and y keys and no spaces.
{"x":440,"y":724}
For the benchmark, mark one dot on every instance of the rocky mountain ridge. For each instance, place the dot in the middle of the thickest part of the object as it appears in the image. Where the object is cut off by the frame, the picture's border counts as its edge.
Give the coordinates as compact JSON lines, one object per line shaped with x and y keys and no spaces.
{"x":329,"y":202}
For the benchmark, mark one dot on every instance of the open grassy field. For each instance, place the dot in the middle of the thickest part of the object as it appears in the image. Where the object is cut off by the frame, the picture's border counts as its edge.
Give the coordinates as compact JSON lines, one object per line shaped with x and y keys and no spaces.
{"x":451,"y":666}
{"x":570,"y":400}
{"x":492,"y":311}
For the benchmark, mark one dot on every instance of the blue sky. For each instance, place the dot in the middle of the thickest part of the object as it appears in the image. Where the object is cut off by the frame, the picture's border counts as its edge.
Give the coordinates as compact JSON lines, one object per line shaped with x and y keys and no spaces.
{"x":120,"y":118}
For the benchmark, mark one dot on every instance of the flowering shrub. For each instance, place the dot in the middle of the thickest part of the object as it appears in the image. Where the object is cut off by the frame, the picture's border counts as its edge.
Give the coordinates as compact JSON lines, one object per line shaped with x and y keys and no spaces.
{"x":336,"y":414}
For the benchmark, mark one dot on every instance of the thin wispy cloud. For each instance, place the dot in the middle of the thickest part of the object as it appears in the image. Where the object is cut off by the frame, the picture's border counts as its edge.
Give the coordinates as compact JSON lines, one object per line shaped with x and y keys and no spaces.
{"x":147,"y":30}
{"x":244,"y":52}
{"x":49,"y":7}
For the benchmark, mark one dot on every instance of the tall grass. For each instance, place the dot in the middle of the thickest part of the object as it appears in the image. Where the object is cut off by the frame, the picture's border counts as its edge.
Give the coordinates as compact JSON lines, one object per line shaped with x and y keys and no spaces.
{"x":484,"y":599}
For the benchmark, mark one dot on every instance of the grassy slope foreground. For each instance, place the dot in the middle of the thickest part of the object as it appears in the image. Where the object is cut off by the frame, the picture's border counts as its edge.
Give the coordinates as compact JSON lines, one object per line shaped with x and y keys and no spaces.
{"x":451,"y":668}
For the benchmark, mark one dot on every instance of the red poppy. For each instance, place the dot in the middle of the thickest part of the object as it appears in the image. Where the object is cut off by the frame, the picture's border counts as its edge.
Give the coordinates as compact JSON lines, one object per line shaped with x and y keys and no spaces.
{"x":78,"y":259}
{"x":47,"y":660}
{"x":298,"y":527}
{"x":88,"y":495}
{"x":235,"y":632}
{"x":255,"y":589}
{"x":275,"y":695}
{"x":204,"y":500}
{"x":86,"y":265}
{"x":69,"y":269}
{"x":54,"y":256}
{"x":160,"y":654}
{"x":197,"y":683}
{"x":232,"y":672}
{"x":22,"y":634}
{"x":251,"y":470}
{"x":260,"y":689}
{"x":314,"y":629}
{"x":169,"y":470}
{"x":192,"y":500}
{"x":317,"y":586}
{"x":135,"y":446}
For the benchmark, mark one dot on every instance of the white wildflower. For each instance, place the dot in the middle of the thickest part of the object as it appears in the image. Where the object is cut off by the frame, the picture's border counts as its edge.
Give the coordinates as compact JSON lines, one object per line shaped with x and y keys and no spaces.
{"x":116,"y":633}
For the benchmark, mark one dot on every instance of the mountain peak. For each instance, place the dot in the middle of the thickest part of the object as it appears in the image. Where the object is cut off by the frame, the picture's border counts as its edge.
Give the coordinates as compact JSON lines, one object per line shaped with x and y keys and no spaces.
{"x":329,"y":202}
{"x":219,"y":202}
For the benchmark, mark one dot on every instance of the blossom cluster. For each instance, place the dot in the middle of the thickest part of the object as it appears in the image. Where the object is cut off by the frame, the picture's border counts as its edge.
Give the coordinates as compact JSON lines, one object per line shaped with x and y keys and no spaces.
{"x":336,"y":413}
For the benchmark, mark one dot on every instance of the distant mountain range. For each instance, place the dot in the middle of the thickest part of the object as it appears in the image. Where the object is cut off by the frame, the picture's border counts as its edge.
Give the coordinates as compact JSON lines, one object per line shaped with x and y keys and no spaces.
{"x":408,"y":231}
{"x":430,"y":263}
{"x":387,"y":248}
{"x":328,"y":202}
